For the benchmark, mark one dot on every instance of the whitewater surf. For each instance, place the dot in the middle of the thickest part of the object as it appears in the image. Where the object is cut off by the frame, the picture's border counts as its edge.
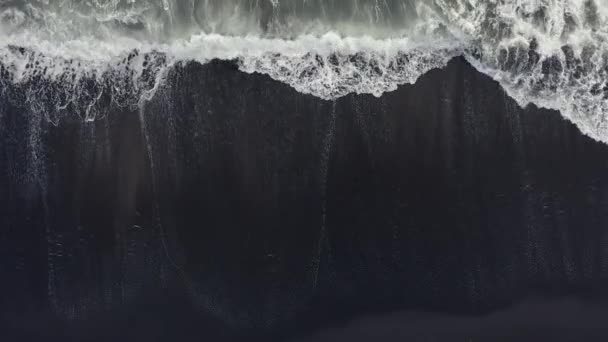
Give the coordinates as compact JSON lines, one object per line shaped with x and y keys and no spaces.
{"x":63,"y":53}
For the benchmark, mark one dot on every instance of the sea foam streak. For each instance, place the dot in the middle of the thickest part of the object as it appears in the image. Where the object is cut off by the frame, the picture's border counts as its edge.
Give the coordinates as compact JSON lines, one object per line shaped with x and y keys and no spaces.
{"x":84,"y":54}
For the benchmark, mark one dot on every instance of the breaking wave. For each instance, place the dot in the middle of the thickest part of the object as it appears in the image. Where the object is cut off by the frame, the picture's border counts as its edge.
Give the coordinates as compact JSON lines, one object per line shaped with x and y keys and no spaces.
{"x":79,"y":56}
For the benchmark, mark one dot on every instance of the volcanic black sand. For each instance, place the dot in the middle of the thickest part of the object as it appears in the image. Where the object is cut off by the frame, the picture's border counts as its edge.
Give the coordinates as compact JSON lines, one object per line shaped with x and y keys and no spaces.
{"x":231,"y":207}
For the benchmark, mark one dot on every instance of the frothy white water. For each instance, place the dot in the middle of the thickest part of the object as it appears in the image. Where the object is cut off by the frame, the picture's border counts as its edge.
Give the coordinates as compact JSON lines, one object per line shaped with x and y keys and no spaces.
{"x":552,"y":53}
{"x":68,"y":54}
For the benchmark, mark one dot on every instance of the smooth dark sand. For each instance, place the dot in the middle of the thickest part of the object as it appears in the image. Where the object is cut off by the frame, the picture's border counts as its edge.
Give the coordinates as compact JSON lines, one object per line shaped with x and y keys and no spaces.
{"x":240,"y":209}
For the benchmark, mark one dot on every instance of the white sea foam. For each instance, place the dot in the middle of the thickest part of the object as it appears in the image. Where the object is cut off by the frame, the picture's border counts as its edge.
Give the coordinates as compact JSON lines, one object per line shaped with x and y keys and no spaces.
{"x":553,"y":53}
